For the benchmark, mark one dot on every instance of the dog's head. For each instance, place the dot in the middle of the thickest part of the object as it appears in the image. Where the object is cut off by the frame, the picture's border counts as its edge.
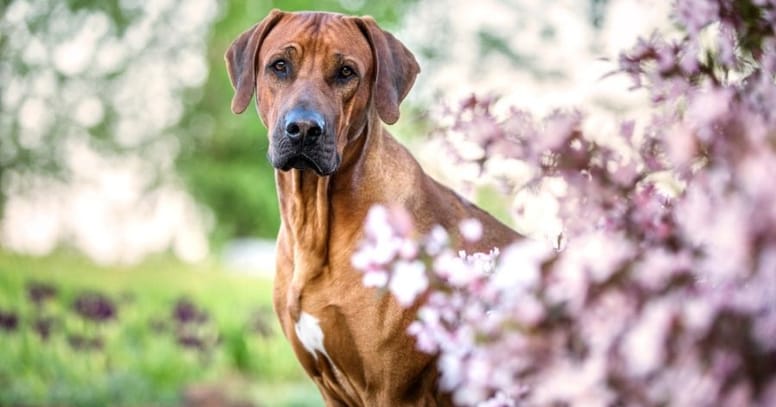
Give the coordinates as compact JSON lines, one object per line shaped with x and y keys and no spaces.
{"x":316,"y":76}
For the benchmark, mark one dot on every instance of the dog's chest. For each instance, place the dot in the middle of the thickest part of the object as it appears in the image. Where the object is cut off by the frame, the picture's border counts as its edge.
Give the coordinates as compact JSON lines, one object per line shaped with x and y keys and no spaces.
{"x":317,"y":319}
{"x":326,"y":348}
{"x":310,"y":335}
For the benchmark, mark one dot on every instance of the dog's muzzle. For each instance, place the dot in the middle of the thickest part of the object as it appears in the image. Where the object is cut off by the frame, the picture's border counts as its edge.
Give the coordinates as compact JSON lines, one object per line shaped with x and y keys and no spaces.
{"x":302,"y":140}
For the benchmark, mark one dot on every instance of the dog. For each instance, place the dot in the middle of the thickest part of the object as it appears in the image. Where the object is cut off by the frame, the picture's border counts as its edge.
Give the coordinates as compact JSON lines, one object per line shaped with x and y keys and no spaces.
{"x":325,"y":83}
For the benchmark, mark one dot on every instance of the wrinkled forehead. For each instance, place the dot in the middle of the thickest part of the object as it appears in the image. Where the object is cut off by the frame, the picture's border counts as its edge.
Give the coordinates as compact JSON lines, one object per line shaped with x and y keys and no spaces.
{"x":319,"y":34}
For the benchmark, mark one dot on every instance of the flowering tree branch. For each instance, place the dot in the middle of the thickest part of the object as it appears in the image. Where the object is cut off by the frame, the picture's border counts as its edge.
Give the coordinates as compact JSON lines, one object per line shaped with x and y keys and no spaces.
{"x":665,"y":289}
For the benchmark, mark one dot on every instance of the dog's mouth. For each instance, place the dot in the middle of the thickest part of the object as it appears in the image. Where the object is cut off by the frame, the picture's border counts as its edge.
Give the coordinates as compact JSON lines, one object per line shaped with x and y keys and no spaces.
{"x":301,"y":162}
{"x":304,"y":162}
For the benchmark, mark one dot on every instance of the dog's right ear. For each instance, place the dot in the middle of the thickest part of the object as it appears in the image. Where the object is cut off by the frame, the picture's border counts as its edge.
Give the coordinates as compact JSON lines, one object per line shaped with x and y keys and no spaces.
{"x":241,"y":60}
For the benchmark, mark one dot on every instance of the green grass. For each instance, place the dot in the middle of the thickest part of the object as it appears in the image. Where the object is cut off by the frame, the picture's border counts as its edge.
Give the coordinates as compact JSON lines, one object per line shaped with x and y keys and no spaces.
{"x":140,"y":361}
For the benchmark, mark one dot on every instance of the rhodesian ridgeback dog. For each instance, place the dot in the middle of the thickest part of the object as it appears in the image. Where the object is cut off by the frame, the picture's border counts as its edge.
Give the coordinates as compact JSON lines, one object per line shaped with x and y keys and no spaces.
{"x":325,"y":84}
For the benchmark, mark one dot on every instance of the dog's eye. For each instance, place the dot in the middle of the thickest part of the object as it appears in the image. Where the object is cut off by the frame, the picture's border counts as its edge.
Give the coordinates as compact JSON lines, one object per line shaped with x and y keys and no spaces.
{"x":279,"y":66}
{"x":346,"y":72}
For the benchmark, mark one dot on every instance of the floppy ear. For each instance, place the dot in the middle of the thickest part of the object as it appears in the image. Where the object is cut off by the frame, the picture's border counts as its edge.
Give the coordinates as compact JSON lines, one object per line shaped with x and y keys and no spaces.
{"x":241,"y":60}
{"x":395,"y":69}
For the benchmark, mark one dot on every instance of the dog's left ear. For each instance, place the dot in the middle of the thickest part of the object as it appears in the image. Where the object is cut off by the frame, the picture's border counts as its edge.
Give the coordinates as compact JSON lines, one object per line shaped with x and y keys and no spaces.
{"x":241,"y":60}
{"x":395,"y":69}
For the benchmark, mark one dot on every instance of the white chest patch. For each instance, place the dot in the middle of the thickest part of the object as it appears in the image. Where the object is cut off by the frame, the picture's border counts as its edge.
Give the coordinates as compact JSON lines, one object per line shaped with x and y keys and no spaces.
{"x":309,"y":333}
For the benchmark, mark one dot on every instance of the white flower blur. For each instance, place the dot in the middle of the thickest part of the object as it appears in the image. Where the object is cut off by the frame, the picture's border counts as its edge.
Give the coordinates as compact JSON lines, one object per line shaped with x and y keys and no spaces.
{"x":471,"y":230}
{"x":408,"y":281}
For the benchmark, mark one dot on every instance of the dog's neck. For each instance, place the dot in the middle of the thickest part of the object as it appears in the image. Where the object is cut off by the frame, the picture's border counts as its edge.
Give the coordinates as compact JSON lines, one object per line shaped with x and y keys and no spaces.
{"x":306,"y":211}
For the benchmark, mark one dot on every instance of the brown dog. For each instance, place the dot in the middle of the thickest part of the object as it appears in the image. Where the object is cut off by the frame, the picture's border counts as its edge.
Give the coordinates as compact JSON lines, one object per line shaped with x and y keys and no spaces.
{"x":324,"y":83}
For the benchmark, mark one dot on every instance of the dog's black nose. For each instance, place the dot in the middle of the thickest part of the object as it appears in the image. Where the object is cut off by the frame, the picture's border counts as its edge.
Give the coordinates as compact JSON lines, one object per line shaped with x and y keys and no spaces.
{"x":304,"y":124}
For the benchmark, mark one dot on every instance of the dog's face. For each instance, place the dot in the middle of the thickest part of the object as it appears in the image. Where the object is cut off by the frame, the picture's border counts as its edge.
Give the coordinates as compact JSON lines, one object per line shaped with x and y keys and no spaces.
{"x":313,"y":71}
{"x":316,"y":76}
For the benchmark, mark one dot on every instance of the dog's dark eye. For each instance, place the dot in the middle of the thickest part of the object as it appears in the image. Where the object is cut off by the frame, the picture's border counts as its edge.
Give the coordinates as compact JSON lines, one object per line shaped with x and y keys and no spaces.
{"x":279,"y":66}
{"x":346,"y":72}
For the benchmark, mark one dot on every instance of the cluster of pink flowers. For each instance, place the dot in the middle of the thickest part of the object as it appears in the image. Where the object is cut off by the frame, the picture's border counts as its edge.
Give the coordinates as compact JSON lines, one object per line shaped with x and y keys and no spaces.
{"x":663,"y":291}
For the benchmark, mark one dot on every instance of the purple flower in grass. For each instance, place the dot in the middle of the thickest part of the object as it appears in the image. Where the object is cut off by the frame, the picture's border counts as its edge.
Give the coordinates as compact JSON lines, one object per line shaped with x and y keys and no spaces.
{"x":189,"y":340}
{"x":9,"y":321}
{"x":39,"y":293}
{"x":95,"y":307}
{"x":185,"y":311}
{"x":43,"y":327}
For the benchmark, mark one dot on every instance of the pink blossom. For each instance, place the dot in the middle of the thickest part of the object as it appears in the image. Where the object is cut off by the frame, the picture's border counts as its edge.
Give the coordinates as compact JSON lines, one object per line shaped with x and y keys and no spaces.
{"x":375,"y":278}
{"x":657,"y":267}
{"x":377,"y":226}
{"x":408,"y":249}
{"x":644,"y":344}
{"x":558,"y":128}
{"x":688,"y":60}
{"x":436,"y":240}
{"x":681,"y":145}
{"x":452,"y":371}
{"x":408,"y":280}
{"x":666,"y":58}
{"x":453,"y":269}
{"x":727,"y":45}
{"x":471,"y":230}
{"x":529,"y":311}
{"x":499,"y":400}
{"x":696,"y":14}
{"x":708,"y":107}
{"x":519,"y":268}
{"x":655,"y":298}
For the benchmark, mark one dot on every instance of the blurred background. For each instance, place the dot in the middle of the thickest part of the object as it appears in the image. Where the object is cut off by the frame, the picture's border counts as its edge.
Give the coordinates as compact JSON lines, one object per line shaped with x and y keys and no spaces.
{"x":137,"y":213}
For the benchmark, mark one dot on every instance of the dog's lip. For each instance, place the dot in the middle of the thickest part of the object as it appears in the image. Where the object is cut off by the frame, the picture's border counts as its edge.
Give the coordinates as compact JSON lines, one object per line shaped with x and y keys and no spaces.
{"x":304,"y":162}
{"x":300,"y":162}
